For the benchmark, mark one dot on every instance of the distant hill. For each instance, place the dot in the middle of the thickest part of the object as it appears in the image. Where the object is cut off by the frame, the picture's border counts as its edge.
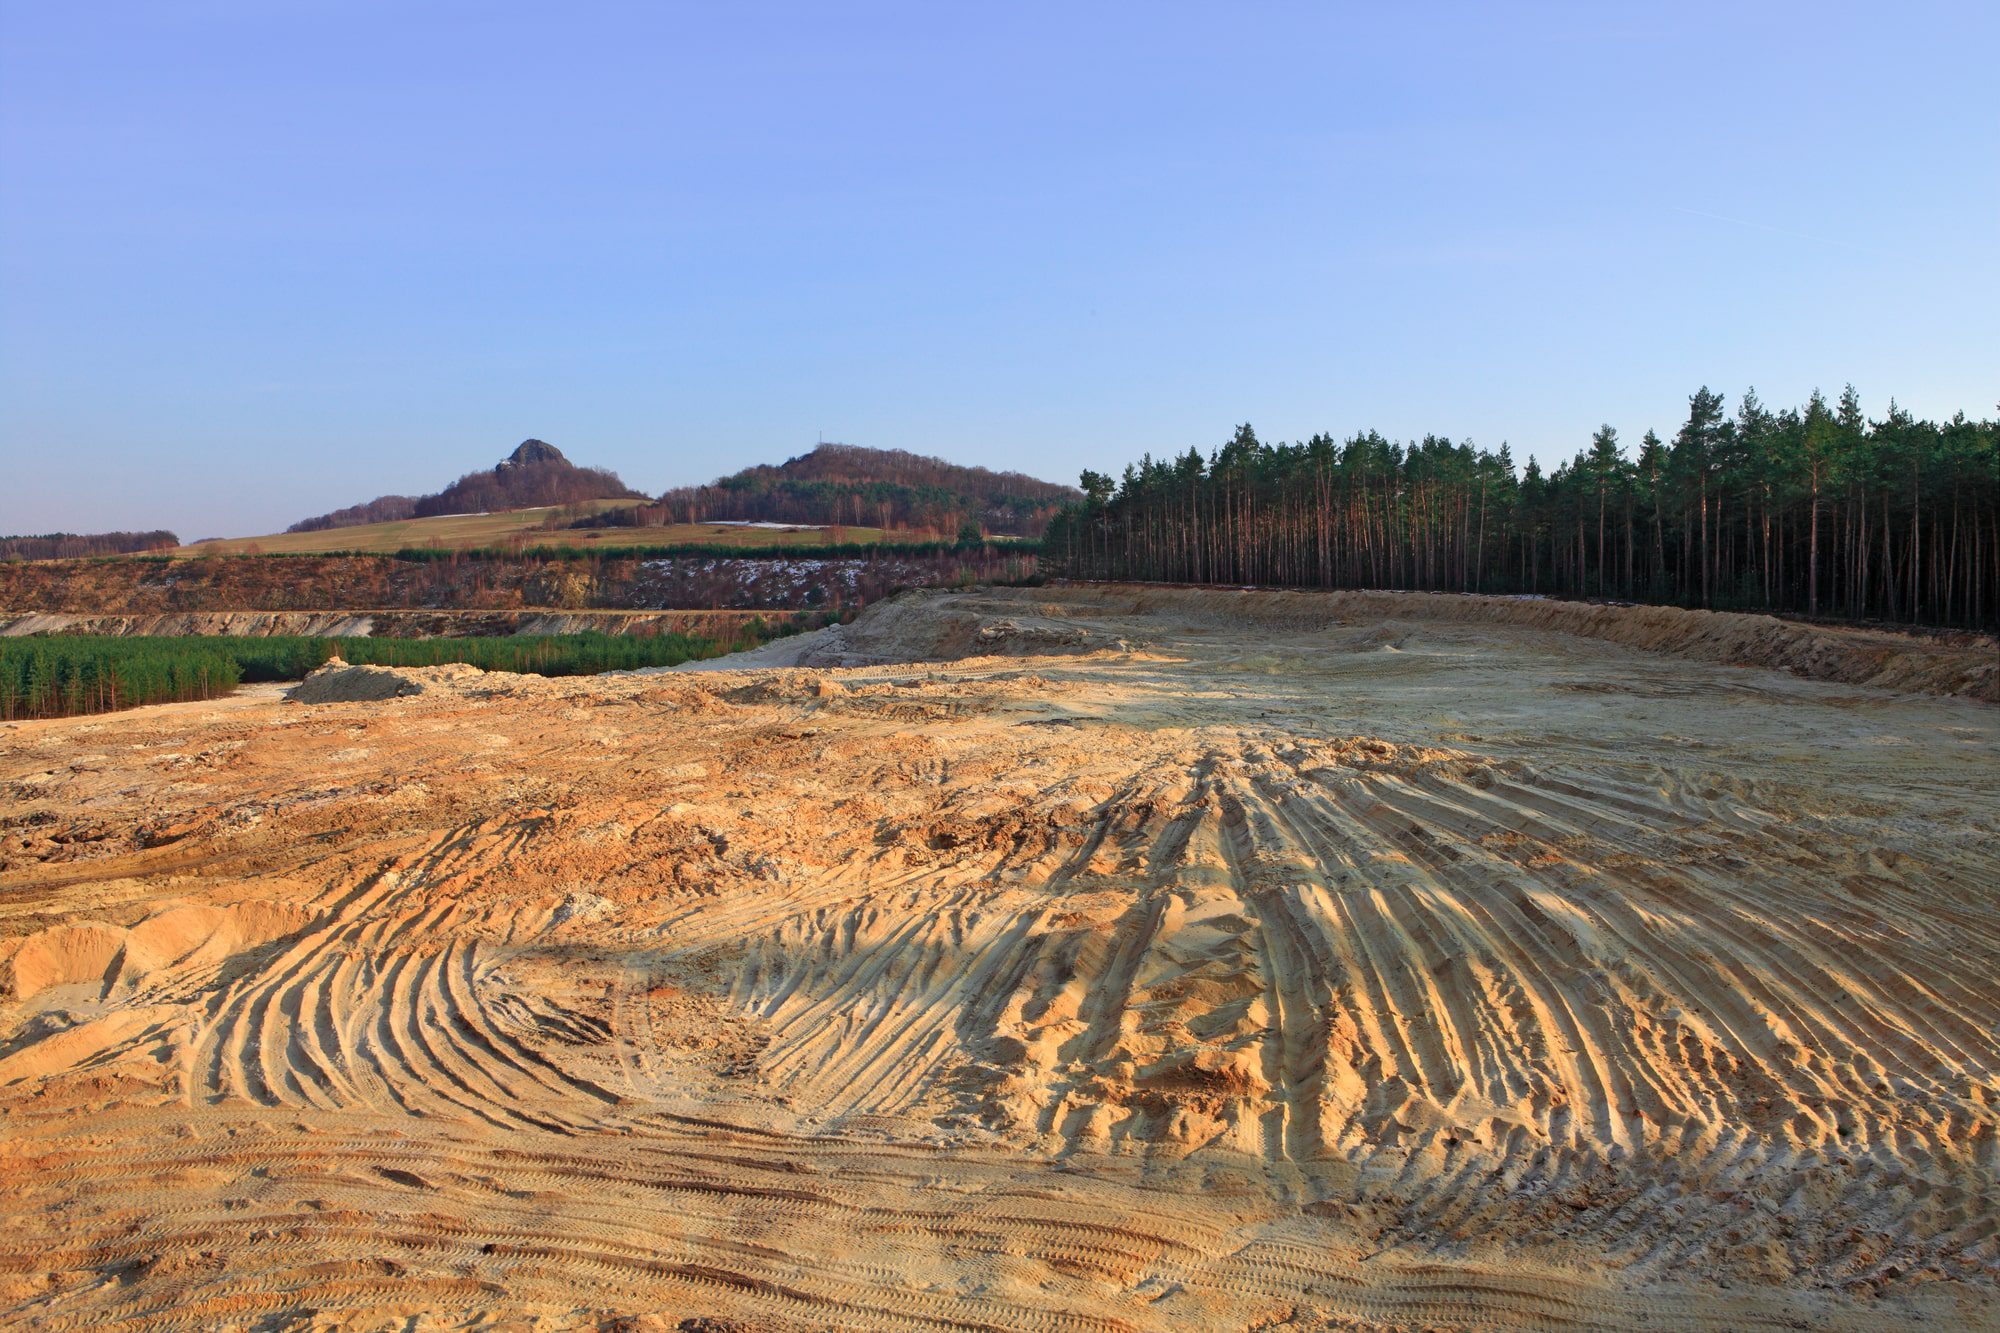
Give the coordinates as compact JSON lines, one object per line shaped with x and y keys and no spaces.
{"x":836,"y":494}
{"x":885,"y":488}
{"x":535,"y":475}
{"x":65,"y":545}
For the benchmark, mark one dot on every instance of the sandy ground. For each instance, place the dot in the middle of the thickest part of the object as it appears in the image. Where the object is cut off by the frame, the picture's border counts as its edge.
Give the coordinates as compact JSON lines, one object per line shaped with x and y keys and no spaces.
{"x":1169,"y":963}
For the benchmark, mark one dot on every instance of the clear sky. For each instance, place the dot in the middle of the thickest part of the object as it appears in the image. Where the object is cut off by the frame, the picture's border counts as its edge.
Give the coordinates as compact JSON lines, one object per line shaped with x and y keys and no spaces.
{"x":261,"y":259}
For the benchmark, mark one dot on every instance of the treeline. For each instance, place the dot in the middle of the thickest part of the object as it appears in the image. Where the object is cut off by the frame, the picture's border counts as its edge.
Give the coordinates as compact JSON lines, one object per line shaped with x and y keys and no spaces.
{"x":69,"y":545}
{"x":883,"y":488}
{"x":62,"y":677}
{"x":1814,"y":510}
{"x":67,"y":675}
{"x":382,"y":509}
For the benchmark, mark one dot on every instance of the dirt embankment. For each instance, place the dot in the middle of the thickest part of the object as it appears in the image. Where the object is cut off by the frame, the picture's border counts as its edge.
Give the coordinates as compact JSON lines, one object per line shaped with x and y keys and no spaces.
{"x":341,"y":583}
{"x":930,"y":625}
{"x":1962,"y":664}
{"x":383,"y":624}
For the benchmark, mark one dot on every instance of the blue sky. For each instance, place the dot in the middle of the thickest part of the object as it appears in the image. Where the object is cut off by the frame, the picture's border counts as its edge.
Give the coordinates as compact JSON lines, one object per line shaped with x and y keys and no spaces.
{"x":258,"y":260}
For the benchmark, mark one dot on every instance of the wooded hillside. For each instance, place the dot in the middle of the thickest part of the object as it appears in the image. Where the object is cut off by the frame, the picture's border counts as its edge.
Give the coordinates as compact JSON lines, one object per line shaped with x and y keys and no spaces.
{"x":886,"y":488}
{"x":534,"y":475}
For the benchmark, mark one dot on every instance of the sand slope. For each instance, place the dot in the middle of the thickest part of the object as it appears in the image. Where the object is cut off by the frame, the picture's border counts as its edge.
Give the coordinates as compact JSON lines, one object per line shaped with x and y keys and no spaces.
{"x":1172,"y":961}
{"x":932,"y":625}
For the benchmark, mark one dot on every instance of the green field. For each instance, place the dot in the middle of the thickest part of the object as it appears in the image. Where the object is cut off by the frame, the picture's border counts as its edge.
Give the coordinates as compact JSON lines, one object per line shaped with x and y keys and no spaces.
{"x":522,"y":529}
{"x":67,"y":675}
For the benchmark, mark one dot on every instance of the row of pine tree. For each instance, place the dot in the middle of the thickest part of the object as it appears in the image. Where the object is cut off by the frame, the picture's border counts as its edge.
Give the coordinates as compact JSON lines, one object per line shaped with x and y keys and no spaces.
{"x":1815,"y":510}
{"x":63,"y":675}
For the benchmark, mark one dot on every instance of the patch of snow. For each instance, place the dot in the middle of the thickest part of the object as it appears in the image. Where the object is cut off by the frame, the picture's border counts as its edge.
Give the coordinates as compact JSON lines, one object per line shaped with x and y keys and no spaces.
{"x":758,"y":523}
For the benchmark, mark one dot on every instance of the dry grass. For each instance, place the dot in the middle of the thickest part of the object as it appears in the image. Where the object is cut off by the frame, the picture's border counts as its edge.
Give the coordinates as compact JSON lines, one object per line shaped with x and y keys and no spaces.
{"x":523,"y":527}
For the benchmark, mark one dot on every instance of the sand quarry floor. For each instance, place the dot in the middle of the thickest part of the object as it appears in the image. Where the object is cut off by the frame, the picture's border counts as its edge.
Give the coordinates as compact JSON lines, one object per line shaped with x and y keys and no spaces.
{"x":1155,"y":961}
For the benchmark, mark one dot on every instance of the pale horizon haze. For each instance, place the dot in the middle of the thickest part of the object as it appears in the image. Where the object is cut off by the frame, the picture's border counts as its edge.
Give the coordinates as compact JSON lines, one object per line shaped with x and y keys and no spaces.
{"x":260,"y":261}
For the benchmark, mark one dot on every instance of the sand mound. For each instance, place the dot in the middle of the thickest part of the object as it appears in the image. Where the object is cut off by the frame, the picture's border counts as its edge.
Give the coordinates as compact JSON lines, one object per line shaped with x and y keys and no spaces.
{"x":64,"y":954}
{"x":182,"y":936}
{"x":927,"y":625}
{"x":339,"y":683}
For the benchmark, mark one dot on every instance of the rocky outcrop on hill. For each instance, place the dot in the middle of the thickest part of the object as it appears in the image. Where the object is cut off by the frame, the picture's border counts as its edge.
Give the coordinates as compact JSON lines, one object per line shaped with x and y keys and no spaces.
{"x":530,"y":452}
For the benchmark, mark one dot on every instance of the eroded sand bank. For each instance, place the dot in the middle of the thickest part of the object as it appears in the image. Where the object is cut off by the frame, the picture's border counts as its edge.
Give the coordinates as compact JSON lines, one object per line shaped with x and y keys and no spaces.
{"x":1154,"y":961}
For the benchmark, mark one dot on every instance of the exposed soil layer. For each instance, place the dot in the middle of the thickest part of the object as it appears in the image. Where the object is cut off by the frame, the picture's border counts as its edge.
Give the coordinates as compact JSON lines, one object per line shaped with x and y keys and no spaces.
{"x":526,"y":582}
{"x":385,"y":624}
{"x":1145,"y":960}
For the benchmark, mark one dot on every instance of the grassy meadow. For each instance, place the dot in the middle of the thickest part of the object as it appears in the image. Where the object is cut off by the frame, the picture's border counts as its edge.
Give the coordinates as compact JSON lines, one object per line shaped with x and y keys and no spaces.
{"x":522,"y":529}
